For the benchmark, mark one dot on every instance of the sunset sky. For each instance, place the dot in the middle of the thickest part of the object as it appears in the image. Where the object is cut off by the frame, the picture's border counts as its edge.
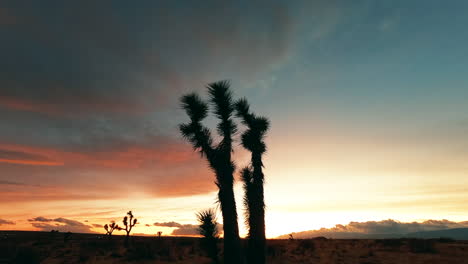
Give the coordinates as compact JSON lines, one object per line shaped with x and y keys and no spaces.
{"x":368,"y":102}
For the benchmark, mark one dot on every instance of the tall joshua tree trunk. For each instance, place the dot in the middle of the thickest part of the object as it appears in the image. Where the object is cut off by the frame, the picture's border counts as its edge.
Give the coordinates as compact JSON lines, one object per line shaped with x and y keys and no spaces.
{"x":253,"y":178}
{"x":219,"y":157}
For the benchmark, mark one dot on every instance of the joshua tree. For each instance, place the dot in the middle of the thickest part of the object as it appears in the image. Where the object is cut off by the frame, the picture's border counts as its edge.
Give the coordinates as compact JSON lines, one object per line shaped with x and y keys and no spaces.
{"x":209,"y":230}
{"x":219,"y":156}
{"x":252,"y":176}
{"x":129,"y":222}
{"x":111,"y":227}
{"x":159,"y":234}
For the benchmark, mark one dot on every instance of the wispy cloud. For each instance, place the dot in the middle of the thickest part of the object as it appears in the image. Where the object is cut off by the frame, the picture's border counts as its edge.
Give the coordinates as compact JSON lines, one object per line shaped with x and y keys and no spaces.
{"x":162,"y":168}
{"x":6,"y":222}
{"x":19,"y":157}
{"x":168,"y":224}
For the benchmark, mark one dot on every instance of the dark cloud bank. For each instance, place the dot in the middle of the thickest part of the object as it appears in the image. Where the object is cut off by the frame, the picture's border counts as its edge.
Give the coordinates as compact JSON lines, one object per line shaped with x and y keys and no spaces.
{"x":184,"y":229}
{"x":60,"y":224}
{"x":98,"y":82}
{"x":386,"y":229}
{"x":6,"y":222}
{"x":180,"y":229}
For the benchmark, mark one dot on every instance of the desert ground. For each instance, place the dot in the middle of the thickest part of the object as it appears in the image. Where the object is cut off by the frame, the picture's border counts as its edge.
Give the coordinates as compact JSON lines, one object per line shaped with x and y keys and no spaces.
{"x":44,"y":247}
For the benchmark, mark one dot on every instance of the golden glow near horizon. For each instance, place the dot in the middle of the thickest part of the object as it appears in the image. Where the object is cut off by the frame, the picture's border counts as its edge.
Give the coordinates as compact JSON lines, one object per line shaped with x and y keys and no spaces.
{"x":308,"y":186}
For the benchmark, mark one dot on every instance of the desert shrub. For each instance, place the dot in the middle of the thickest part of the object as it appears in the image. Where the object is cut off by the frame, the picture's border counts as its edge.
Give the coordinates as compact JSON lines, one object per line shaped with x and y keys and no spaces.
{"x":27,"y":255}
{"x":421,"y":245}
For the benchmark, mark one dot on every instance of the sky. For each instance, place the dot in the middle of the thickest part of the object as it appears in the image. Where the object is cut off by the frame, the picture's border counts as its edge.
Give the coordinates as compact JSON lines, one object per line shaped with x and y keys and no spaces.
{"x":367,"y":103}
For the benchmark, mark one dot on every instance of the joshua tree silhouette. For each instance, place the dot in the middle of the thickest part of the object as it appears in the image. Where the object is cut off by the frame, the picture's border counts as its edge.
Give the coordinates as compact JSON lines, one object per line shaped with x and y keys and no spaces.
{"x":209,"y":230}
{"x":219,"y":157}
{"x":111,"y":227}
{"x":129,"y":222}
{"x":253,"y":178}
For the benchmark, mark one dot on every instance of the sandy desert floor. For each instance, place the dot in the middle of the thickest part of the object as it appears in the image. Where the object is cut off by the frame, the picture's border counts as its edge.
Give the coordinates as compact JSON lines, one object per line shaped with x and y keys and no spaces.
{"x":42,"y":247}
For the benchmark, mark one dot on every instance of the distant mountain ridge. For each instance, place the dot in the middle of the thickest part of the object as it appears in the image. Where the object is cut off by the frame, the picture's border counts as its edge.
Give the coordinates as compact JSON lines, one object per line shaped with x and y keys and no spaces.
{"x":454,"y":233}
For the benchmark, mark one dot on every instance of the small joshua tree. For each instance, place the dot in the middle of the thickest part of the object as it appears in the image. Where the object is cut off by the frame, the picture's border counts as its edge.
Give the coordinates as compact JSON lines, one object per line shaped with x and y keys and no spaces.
{"x":209,"y":230}
{"x":159,"y":234}
{"x":111,"y":227}
{"x":129,"y":222}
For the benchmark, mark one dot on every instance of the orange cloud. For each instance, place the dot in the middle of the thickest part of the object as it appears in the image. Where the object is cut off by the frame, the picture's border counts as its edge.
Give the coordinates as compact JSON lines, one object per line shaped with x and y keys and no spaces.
{"x":190,"y":183}
{"x":24,"y":105}
{"x":63,"y":107}
{"x":13,"y":193}
{"x":31,"y":162}
{"x":129,"y":157}
{"x":170,"y":170}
